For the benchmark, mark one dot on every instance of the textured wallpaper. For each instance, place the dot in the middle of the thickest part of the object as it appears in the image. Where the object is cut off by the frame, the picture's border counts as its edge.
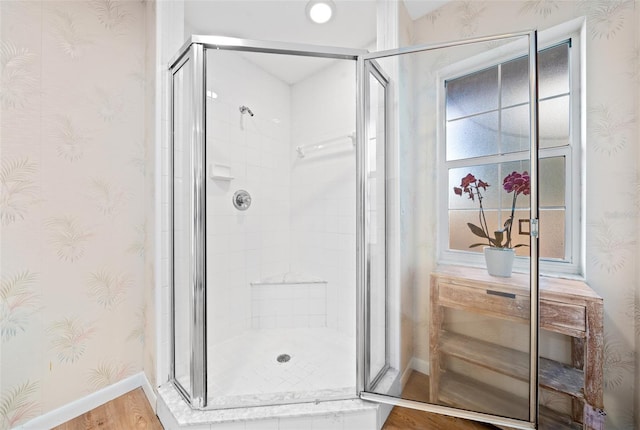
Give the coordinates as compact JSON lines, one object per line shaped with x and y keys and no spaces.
{"x":76,"y":172}
{"x":611,"y":156}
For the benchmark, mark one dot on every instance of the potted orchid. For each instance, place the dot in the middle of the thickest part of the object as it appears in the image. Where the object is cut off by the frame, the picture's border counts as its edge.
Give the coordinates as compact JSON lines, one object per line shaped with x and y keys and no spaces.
{"x":499,"y":250}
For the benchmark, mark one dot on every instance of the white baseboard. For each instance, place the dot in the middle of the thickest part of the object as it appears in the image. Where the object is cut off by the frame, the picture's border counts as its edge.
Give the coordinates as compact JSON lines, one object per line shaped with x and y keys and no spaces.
{"x":405,"y":375}
{"x":420,"y":365}
{"x":149,"y":392}
{"x":76,"y":408}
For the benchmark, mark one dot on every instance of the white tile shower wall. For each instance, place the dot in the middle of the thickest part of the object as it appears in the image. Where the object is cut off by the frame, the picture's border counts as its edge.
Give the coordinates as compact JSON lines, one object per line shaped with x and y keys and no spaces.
{"x":323,"y":192}
{"x":244,"y":246}
{"x":301,"y":305}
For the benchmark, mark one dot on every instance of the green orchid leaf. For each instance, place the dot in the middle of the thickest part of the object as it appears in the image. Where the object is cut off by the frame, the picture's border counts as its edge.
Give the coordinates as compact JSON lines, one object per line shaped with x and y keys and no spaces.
{"x":475,"y":245}
{"x":520,"y":245}
{"x":477,"y":230}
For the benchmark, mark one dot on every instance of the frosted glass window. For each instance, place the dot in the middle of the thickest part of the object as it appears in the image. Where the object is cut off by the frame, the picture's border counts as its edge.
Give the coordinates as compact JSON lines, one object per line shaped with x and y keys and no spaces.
{"x":474,"y":100}
{"x":487,"y":115}
{"x":552,"y":233}
{"x":472,"y":94}
{"x":459,"y":235}
{"x":507,"y":198}
{"x":472,"y":136}
{"x":552,"y":171}
{"x":497,"y":204}
{"x":553,"y":71}
{"x":515,"y":82}
{"x":554,"y":126}
{"x":488,"y":173}
{"x":553,"y":76}
{"x":515,"y":128}
{"x":554,"y":122}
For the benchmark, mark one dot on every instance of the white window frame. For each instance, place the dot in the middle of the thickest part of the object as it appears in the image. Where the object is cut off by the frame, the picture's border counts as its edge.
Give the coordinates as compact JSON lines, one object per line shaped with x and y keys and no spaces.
{"x":573,"y":266}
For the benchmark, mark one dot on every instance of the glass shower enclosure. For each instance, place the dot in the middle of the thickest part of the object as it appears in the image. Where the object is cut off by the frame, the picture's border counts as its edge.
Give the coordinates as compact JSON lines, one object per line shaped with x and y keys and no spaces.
{"x":264,"y":223}
{"x":311,"y":213}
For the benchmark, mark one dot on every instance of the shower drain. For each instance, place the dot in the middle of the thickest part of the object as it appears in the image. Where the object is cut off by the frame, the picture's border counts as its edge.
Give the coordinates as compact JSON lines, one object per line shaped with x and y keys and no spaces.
{"x":283,"y":358}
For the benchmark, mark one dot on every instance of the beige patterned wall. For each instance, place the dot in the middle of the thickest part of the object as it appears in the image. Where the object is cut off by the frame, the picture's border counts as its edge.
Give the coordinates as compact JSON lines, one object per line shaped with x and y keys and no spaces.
{"x":612,"y":203}
{"x":76,"y":180}
{"x":149,"y":249}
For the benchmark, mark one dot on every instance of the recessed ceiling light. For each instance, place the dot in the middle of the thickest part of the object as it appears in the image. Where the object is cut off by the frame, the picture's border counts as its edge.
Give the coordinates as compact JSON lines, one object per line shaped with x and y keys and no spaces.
{"x":320,"y":11}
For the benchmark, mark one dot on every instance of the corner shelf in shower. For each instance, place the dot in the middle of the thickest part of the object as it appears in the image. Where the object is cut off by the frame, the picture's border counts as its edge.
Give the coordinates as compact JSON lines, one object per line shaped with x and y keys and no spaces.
{"x":567,"y":307}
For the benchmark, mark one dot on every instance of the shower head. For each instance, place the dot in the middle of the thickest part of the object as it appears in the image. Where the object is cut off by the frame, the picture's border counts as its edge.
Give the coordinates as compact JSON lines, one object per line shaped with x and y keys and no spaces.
{"x":245,"y":109}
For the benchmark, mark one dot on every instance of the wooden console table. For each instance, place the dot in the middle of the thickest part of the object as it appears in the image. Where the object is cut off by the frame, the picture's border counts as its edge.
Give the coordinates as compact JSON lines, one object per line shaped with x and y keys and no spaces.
{"x":567,"y":307}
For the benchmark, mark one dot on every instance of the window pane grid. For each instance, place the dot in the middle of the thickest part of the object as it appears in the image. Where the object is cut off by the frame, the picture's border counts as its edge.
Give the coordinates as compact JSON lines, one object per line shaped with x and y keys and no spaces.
{"x":493,"y":142}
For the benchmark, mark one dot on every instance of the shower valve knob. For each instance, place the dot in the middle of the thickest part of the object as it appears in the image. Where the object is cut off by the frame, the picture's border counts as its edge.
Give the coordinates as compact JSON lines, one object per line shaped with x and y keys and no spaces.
{"x":241,"y":200}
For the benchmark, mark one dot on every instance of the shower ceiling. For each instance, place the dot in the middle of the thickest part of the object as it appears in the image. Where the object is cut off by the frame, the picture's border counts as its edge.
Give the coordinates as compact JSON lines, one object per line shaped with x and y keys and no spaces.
{"x":353,"y":26}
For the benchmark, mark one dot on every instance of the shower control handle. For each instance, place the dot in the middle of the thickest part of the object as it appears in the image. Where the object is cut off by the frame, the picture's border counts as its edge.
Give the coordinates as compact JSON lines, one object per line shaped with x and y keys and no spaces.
{"x":241,"y":200}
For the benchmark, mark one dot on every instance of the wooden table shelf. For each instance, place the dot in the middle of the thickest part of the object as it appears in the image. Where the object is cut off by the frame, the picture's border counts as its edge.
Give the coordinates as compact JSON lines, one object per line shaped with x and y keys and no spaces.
{"x":457,"y":390}
{"x":555,"y":376}
{"x":567,"y":307}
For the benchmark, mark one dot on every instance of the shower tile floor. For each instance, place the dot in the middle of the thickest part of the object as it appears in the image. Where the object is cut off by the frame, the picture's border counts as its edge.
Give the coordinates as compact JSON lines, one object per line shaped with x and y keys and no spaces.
{"x":245,"y":371}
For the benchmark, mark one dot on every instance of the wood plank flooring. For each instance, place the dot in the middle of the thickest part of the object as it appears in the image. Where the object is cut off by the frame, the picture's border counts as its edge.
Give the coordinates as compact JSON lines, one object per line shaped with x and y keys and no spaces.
{"x":417,"y":388}
{"x":130,"y":411}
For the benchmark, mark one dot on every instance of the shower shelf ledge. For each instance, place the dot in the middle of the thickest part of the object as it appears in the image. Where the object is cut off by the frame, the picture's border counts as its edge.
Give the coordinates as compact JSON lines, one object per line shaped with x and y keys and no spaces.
{"x":304,"y":150}
{"x":220,"y":172}
{"x":290,"y":278}
{"x":222,"y":178}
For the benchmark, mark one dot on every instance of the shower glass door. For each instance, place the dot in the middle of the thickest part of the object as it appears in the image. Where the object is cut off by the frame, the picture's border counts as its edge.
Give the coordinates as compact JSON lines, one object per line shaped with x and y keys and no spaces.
{"x":449,"y":337}
{"x":374,"y":155}
{"x":182,"y":212}
{"x":187,"y":255}
{"x":269,"y":209}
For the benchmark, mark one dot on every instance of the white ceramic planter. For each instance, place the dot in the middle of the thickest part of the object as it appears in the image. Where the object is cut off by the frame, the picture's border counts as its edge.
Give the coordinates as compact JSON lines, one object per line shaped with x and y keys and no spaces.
{"x":499,"y":261}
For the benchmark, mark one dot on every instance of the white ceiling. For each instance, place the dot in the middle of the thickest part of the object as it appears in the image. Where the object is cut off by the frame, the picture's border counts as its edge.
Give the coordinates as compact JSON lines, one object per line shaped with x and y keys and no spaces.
{"x":353,"y":26}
